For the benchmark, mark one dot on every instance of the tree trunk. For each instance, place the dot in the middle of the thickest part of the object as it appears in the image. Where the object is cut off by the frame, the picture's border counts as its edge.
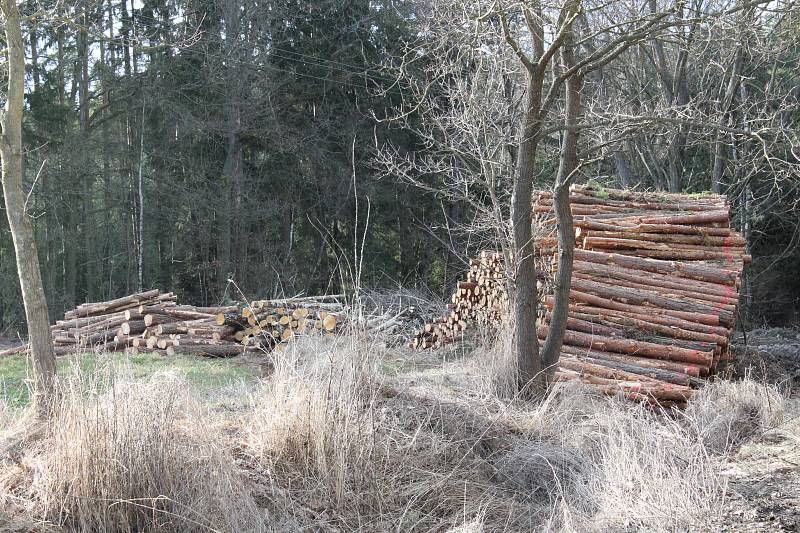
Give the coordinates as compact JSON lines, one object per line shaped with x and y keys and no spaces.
{"x":526,"y":343}
{"x":88,"y":226}
{"x":622,"y":167}
{"x":231,"y":170}
{"x":20,"y":224}
{"x":140,"y":191}
{"x":568,"y":164}
{"x":35,"y":58}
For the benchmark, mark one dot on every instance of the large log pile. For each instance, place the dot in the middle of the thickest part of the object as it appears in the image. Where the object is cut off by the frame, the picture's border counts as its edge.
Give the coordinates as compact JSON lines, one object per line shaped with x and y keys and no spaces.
{"x":154,"y":322}
{"x":654,"y":291}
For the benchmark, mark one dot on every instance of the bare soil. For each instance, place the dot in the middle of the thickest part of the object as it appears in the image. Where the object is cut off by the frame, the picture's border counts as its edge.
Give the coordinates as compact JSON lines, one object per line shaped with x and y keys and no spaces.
{"x":764,"y":475}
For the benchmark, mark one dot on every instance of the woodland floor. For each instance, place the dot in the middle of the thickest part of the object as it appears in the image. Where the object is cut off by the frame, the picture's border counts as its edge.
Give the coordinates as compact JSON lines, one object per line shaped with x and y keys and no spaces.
{"x":764,"y":476}
{"x":763,"y":493}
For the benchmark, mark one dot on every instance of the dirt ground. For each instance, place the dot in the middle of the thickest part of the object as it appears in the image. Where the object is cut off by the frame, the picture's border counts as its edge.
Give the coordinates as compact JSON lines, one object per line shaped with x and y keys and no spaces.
{"x":764,"y":475}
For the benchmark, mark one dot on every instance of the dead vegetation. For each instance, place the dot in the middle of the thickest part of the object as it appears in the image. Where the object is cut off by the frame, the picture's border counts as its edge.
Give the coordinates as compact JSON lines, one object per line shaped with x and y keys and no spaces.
{"x":122,"y":454}
{"x":729,"y":413}
{"x":328,"y":442}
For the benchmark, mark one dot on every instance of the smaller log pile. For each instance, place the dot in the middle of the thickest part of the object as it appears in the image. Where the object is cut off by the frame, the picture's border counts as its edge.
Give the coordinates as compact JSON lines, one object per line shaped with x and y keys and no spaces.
{"x":268,"y":324}
{"x":480,"y":299}
{"x":152,"y":321}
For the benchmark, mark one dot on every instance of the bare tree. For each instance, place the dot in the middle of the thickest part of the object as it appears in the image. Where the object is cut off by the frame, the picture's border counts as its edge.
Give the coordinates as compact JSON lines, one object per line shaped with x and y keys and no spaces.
{"x":526,"y":298}
{"x":16,"y":201}
{"x":554,"y":53}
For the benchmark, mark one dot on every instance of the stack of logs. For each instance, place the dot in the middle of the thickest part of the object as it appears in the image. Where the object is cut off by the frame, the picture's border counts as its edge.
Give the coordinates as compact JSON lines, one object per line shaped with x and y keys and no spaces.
{"x":481,"y":299}
{"x":153,"y":321}
{"x":268,"y":324}
{"x":654,"y":291}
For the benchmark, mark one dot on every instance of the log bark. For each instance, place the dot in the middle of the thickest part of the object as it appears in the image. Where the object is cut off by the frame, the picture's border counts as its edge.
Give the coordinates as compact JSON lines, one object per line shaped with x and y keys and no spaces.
{"x":595,"y":305}
{"x":231,"y":319}
{"x":699,"y":289}
{"x":675,"y":268}
{"x":223,"y":350}
{"x":599,"y":301}
{"x":714,"y":315}
{"x":694,"y":371}
{"x":730,"y":241}
{"x":643,"y":349}
{"x":134,"y":327}
{"x":157,"y":320}
{"x":120,"y":304}
{"x":607,"y":318}
{"x":654,"y":296}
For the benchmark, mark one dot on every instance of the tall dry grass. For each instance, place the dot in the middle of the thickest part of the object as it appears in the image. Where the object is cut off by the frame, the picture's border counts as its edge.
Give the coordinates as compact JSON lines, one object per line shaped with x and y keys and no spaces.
{"x":362,"y":455}
{"x":125,"y":454}
{"x":369,"y":454}
{"x":330,"y":443}
{"x":726,"y":414}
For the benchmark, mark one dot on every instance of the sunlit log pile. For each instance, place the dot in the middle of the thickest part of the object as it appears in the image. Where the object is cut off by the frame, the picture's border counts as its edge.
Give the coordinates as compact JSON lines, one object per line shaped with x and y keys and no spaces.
{"x":481,"y":299}
{"x":269,"y":324}
{"x":152,"y":321}
{"x":654,"y":292}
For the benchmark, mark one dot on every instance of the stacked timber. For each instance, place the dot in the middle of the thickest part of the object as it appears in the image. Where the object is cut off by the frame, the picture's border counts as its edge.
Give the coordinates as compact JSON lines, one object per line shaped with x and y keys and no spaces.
{"x":674,"y":227}
{"x":152,"y":321}
{"x":269,"y":324}
{"x":654,"y":291}
{"x":481,"y":299}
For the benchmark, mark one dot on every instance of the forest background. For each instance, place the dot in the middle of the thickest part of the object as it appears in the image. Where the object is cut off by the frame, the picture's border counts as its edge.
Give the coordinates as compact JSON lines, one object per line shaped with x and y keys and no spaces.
{"x":180,"y":144}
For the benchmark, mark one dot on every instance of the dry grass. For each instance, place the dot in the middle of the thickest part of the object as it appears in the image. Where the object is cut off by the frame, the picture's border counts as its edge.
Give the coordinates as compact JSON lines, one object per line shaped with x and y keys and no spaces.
{"x":122,"y":454}
{"x":351,"y":452}
{"x":331,"y":444}
{"x":726,"y":414}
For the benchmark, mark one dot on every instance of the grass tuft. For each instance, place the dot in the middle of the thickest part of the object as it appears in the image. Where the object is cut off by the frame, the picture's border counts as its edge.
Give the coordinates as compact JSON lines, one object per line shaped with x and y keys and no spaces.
{"x":132,"y":454}
{"x":726,"y":414}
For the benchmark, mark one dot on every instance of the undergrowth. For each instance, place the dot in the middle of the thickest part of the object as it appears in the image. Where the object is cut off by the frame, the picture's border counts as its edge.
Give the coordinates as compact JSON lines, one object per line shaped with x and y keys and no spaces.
{"x":327,"y":442}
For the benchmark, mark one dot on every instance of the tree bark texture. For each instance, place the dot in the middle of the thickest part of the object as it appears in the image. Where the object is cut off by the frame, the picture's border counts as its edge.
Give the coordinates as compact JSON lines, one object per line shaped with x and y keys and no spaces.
{"x":568,"y":163}
{"x":20,"y":224}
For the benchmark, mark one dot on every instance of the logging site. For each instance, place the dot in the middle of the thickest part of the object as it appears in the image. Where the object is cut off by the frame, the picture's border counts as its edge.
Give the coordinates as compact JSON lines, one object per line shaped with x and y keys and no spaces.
{"x":400,"y":265}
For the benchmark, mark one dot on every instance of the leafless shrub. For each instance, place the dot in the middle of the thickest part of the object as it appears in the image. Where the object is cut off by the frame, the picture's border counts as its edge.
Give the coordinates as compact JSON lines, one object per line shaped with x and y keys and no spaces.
{"x":725,"y":414}
{"x":121,"y":454}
